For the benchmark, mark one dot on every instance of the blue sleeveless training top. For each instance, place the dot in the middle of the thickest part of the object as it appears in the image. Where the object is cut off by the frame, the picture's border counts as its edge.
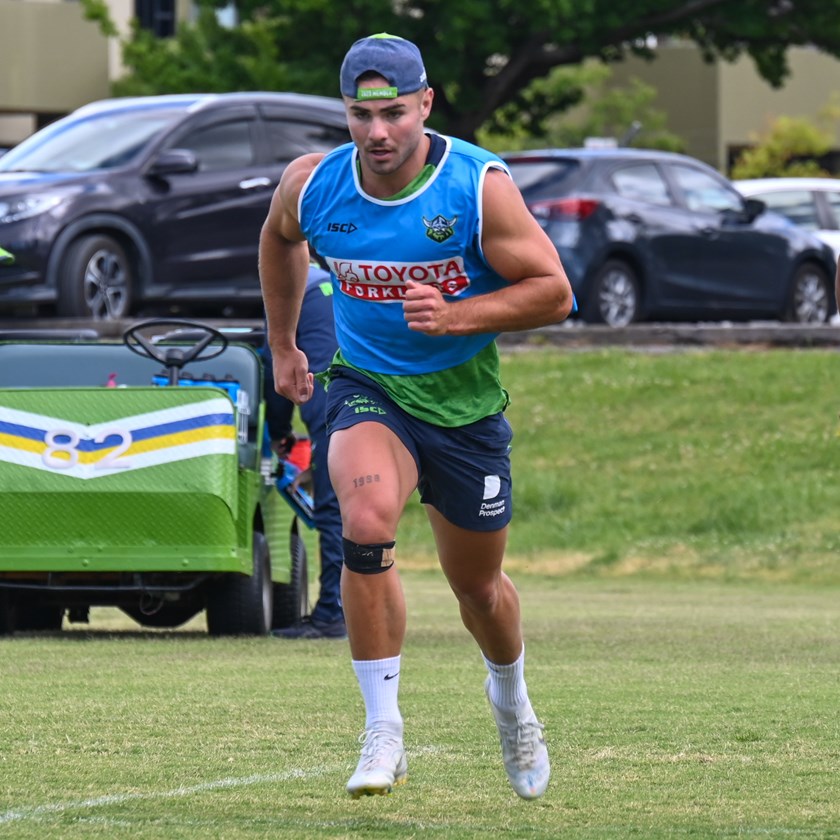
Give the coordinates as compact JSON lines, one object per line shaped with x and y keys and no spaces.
{"x":372,"y":245}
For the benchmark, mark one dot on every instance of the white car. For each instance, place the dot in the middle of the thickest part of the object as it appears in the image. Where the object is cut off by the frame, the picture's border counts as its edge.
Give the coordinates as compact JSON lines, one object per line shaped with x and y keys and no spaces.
{"x":810,"y":203}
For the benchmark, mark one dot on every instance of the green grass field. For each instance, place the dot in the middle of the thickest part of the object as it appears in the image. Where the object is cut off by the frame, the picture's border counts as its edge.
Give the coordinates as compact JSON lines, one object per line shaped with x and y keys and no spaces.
{"x":674,"y":544}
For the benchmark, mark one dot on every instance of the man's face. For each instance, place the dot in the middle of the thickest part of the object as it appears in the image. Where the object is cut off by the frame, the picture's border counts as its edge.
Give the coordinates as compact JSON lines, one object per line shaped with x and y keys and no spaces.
{"x":387,"y":132}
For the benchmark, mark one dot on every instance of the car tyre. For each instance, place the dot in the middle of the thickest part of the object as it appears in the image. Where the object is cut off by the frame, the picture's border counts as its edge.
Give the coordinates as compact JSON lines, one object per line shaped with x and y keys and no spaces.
{"x":241,"y":605}
{"x":291,"y":600}
{"x":810,"y":296}
{"x":96,"y":281}
{"x":614,"y":295}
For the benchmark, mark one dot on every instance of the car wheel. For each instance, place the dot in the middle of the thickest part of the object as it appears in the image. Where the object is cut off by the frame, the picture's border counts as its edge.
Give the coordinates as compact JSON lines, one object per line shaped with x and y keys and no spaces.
{"x":96,"y":280}
{"x":241,"y":605}
{"x":614,"y":296}
{"x":291,"y":600}
{"x":810,"y":296}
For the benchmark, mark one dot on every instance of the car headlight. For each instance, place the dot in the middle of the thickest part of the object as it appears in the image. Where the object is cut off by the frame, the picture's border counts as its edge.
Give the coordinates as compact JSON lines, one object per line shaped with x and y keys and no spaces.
{"x":26,"y":206}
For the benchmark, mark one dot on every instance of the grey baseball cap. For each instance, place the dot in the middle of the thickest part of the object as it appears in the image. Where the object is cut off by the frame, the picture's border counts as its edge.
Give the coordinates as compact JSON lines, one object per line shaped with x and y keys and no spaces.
{"x":394,"y":58}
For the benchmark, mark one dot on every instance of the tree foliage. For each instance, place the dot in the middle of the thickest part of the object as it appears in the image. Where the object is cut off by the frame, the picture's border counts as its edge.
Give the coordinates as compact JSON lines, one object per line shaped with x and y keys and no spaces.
{"x":626,"y":114}
{"x":480,"y":56}
{"x":791,"y":147}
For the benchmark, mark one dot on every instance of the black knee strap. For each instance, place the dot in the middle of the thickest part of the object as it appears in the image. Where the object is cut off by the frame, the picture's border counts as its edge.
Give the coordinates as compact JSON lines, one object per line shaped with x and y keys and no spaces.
{"x":368,"y":559}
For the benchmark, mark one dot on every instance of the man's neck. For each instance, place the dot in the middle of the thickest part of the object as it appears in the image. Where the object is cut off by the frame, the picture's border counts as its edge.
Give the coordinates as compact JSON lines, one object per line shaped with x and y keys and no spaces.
{"x":387,"y":186}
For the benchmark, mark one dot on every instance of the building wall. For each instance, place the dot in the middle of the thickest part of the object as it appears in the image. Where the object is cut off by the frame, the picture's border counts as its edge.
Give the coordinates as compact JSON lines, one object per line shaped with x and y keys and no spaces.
{"x":51,"y":61}
{"x":51,"y":58}
{"x":713,"y":107}
{"x":749,"y":106}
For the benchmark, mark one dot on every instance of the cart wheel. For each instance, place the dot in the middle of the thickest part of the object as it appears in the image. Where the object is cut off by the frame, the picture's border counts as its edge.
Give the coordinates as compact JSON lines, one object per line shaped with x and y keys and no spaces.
{"x":240,"y":605}
{"x":291,"y":600}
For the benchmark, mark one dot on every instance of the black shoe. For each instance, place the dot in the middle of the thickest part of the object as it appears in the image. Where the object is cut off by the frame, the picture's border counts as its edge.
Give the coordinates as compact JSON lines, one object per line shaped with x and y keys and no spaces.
{"x":309,"y":628}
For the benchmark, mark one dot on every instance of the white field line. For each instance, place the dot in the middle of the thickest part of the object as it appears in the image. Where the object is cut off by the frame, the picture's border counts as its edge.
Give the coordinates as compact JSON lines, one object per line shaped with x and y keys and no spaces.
{"x":37,"y":811}
{"x":20,"y":814}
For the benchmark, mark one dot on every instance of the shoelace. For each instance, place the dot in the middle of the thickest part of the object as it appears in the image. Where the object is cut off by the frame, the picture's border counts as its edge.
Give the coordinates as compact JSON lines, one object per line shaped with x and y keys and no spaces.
{"x":373,"y":745}
{"x":522,"y":740}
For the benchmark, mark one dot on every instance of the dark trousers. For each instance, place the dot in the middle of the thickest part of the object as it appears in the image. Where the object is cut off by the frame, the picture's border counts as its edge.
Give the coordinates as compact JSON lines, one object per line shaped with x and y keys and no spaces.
{"x":327,"y":514}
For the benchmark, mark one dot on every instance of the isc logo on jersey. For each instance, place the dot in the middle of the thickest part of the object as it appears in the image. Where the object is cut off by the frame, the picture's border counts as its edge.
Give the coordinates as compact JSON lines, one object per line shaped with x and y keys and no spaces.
{"x":384,"y":282}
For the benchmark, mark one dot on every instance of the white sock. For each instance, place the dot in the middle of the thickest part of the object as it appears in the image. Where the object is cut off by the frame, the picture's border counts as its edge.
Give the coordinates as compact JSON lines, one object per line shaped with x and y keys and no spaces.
{"x":379,"y":680}
{"x":507,"y":690}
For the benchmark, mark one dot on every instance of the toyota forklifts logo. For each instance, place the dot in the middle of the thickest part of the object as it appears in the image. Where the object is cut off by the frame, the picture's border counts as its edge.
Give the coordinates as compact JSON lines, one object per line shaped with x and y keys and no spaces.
{"x":385,"y":282}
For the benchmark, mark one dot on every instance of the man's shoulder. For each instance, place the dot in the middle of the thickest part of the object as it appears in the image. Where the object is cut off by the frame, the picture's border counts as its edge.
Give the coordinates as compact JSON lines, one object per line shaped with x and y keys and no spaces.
{"x":337,"y":155}
{"x":325,"y":169}
{"x":471,"y":151}
{"x":296,"y":175}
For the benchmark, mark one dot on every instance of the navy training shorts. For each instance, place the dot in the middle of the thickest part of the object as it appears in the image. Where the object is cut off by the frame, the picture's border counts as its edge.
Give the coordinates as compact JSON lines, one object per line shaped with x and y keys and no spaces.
{"x":464,"y":471}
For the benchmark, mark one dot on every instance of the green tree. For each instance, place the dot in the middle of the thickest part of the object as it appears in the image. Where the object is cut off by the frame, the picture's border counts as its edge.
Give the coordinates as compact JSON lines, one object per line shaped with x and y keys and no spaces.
{"x":626,"y":114}
{"x":791,"y":147}
{"x":480,"y":55}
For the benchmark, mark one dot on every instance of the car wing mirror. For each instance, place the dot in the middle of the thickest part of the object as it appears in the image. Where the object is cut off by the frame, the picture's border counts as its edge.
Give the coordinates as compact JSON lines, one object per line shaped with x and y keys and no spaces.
{"x":174,"y":162}
{"x":753,"y":208}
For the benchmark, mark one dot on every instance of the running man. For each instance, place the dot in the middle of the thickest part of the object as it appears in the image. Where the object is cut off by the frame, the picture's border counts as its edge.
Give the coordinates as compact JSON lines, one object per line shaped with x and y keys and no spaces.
{"x":432,"y":253}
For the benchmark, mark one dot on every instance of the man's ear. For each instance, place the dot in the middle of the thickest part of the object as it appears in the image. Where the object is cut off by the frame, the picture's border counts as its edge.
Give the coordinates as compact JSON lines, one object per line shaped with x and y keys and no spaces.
{"x":426,"y":102}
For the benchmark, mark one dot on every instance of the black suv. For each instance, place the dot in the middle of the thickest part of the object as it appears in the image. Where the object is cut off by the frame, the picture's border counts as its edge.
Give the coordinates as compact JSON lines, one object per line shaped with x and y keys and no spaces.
{"x":648,"y":235}
{"x":150,"y":200}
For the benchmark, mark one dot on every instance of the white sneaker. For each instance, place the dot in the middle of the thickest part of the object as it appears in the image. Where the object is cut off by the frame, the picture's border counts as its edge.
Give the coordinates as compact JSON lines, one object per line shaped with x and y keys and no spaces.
{"x":523,"y":751}
{"x":382,"y":766}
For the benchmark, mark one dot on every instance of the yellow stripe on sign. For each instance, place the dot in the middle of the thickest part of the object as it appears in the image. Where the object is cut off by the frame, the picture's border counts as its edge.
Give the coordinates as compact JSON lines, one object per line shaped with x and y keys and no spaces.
{"x":38,"y":447}
{"x":22,"y":444}
{"x":165,"y":442}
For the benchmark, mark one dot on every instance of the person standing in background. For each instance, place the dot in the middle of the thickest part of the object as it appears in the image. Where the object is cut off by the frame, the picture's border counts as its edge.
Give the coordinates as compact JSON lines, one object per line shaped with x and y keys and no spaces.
{"x":316,"y":337}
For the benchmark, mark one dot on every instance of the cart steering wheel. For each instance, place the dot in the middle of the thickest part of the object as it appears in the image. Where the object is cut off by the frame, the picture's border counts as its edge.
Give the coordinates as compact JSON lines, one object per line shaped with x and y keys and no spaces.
{"x":174,"y":358}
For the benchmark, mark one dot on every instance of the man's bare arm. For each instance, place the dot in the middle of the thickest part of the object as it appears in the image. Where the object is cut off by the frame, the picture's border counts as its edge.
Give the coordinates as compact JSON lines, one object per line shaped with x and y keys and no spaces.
{"x":283,"y":267}
{"x":518,"y":249}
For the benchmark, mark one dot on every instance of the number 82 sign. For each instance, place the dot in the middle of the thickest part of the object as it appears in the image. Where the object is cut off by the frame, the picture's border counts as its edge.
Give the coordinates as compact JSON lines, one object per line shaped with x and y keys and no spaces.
{"x":63,"y":448}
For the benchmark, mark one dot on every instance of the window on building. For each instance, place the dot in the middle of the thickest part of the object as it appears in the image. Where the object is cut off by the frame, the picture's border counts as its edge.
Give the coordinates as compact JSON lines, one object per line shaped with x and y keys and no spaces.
{"x":158,"y":16}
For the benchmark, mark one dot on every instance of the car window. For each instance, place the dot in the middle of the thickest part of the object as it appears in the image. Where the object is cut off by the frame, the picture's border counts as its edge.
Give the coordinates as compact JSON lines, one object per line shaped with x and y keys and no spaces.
{"x":290,"y":138}
{"x":796,"y":205}
{"x":703,"y":192}
{"x":641,"y":182}
{"x":82,"y":143}
{"x":226,"y":145}
{"x":833,"y":199}
{"x":532,"y":173}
